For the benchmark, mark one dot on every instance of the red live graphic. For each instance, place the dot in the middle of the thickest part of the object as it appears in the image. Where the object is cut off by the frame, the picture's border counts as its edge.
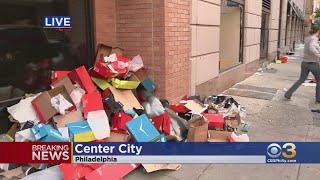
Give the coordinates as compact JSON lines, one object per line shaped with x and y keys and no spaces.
{"x":35,"y":152}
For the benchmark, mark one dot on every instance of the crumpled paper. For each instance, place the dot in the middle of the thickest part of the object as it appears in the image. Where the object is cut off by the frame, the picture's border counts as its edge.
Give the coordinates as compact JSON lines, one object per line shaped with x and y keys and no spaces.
{"x":24,"y":111}
{"x":135,"y":64}
{"x":111,"y":58}
{"x":77,"y":95}
{"x":60,"y":104}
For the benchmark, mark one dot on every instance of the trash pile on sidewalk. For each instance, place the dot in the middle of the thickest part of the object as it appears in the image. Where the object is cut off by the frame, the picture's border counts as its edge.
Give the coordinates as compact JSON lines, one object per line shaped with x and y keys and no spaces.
{"x":108,"y":103}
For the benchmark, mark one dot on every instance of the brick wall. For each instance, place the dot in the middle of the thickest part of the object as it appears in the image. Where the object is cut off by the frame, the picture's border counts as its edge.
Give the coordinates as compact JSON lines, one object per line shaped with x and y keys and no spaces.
{"x":177,"y":48}
{"x":104,"y":14}
{"x":158,"y":30}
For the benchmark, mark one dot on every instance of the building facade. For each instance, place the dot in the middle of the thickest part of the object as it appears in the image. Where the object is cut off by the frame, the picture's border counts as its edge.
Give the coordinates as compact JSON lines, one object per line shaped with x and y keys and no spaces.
{"x":188,"y":46}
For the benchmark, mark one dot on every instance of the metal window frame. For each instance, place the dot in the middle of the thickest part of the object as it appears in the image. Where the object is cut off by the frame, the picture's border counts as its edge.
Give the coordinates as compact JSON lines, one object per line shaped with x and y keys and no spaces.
{"x":241,"y":47}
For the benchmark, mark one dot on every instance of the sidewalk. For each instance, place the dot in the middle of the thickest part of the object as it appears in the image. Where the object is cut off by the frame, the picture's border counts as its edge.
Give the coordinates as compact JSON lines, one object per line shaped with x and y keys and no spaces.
{"x":272,"y":119}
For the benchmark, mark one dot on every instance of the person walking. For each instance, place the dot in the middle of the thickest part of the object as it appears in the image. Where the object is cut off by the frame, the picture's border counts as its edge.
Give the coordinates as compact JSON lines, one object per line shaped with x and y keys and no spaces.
{"x":310,"y":63}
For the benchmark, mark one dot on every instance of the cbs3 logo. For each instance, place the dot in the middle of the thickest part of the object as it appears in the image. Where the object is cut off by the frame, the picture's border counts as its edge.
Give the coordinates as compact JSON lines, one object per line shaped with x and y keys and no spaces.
{"x":274,"y":150}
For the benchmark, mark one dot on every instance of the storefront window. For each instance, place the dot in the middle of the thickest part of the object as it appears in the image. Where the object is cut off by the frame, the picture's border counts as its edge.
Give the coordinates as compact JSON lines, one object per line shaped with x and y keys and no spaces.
{"x":29,"y":52}
{"x":231,"y":34}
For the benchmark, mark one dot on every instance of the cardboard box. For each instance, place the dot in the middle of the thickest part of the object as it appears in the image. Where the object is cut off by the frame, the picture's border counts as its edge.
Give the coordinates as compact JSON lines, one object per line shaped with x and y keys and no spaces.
{"x":104,"y":70}
{"x":162,"y":123}
{"x":47,"y":133}
{"x":142,"y":129}
{"x":198,"y":131}
{"x":42,"y":104}
{"x":233,"y":123}
{"x":104,"y":50}
{"x":117,"y":136}
{"x":142,"y":77}
{"x":66,"y":82}
{"x":101,"y":83}
{"x":195,"y":106}
{"x":57,"y":75}
{"x":148,"y":84}
{"x":126,"y":97}
{"x":156,"y":167}
{"x":13,"y":130}
{"x":81,"y":76}
{"x":218,"y":136}
{"x":122,"y":71}
{"x":81,"y":132}
{"x":62,"y":120}
{"x":120,"y":120}
{"x":124,"y":84}
{"x":111,"y":172}
{"x":92,"y":102}
{"x":215,"y":120}
{"x":75,"y":171}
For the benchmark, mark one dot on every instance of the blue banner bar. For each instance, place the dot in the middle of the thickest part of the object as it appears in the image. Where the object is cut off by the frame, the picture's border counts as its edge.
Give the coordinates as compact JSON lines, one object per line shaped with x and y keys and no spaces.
{"x":297,"y":152}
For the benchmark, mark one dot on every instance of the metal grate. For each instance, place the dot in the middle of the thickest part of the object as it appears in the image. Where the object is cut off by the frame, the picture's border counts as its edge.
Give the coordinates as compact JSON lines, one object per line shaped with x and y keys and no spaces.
{"x":266,"y":5}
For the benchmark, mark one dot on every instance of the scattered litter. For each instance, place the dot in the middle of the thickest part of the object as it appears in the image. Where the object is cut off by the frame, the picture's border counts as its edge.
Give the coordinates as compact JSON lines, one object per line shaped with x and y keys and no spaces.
{"x":115,"y":101}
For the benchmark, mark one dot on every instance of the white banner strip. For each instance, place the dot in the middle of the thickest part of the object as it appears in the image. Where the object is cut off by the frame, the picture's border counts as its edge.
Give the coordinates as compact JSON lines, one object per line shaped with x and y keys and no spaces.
{"x":170,"y":159}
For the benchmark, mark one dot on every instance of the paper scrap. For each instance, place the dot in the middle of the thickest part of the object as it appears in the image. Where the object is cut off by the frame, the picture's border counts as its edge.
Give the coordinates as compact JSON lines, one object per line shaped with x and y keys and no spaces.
{"x":24,"y":111}
{"x":65,"y":133}
{"x":99,"y":123}
{"x":60,"y":104}
{"x":196,"y":106}
{"x":111,"y":58}
{"x":135,"y":64}
{"x":24,"y":135}
{"x":76,"y":97}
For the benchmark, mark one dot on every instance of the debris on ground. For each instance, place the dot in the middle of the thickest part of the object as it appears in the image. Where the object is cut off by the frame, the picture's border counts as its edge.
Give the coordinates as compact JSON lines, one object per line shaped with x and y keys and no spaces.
{"x":106,"y":103}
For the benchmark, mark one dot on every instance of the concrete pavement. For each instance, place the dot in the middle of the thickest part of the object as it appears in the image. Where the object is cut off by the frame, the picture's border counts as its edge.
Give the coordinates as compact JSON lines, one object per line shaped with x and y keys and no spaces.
{"x":271,"y":119}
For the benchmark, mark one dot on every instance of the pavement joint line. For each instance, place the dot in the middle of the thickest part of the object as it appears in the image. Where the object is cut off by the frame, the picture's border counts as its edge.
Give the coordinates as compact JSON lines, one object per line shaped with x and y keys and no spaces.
{"x":203,"y":172}
{"x":298,"y":173}
{"x":251,"y":90}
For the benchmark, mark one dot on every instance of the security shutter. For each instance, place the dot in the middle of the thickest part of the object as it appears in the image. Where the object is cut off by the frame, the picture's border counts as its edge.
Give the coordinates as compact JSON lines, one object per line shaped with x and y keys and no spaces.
{"x":266,"y":5}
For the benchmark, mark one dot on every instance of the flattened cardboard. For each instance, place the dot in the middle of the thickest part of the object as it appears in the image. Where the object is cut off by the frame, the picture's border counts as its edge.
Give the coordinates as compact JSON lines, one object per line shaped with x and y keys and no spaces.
{"x":140,"y":75}
{"x":156,"y":167}
{"x":118,"y":137}
{"x":198,"y":131}
{"x":126,"y":97}
{"x":74,"y":171}
{"x":66,"y":82}
{"x":42,"y":104}
{"x":195,"y":106}
{"x":14,"y":172}
{"x":218,"y":136}
{"x":111,"y":172}
{"x":101,"y":83}
{"x":62,"y":120}
{"x":124,"y":84}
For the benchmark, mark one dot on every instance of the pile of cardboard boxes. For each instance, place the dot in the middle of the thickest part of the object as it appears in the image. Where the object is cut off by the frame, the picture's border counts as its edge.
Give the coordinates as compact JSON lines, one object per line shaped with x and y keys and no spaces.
{"x":110,"y":103}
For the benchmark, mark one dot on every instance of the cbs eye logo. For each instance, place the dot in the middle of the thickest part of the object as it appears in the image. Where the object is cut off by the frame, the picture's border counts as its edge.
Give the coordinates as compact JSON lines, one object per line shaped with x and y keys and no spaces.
{"x":274,"y":150}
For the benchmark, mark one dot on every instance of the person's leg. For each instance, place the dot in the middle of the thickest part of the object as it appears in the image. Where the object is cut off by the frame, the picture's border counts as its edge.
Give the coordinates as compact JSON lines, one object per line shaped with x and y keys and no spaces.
{"x":315,"y":70}
{"x":303,"y":76}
